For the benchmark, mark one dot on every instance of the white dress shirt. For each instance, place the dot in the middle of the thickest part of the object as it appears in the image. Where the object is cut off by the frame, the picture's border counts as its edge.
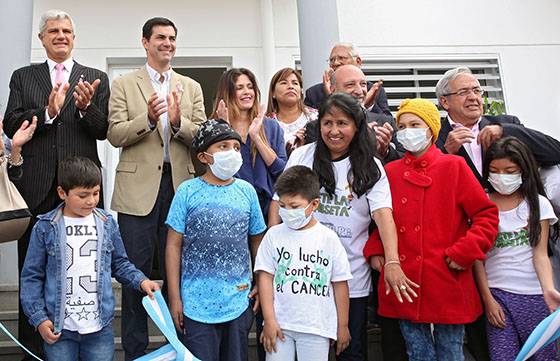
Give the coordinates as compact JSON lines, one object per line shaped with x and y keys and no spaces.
{"x":68,"y":64}
{"x":474,"y":150}
{"x":162,"y":90}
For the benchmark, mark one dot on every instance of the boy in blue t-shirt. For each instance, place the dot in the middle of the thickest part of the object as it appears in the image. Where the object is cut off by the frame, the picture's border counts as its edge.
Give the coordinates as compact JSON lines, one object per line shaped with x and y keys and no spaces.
{"x":208,"y":256}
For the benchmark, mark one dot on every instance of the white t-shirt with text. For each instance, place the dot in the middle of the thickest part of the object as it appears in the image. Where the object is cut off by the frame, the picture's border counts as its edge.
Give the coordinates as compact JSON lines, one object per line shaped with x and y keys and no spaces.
{"x":348,"y":215}
{"x":304,"y":264}
{"x":81,"y":307}
{"x":509,"y":265}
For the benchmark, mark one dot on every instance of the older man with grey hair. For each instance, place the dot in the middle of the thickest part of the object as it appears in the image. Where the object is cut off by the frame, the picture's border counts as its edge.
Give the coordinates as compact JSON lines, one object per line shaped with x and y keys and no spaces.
{"x":467,"y":132}
{"x":344,"y":54}
{"x":70,"y":102}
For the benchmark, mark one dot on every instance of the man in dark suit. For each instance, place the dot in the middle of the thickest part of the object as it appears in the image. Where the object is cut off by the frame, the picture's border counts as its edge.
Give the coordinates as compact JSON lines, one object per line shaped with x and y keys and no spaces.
{"x":351,"y":79}
{"x":344,"y":54}
{"x":70,"y":102}
{"x":467,"y":133}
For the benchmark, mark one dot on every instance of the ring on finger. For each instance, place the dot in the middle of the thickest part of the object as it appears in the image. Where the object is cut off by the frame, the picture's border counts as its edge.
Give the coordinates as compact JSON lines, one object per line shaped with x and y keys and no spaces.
{"x":402,"y":287}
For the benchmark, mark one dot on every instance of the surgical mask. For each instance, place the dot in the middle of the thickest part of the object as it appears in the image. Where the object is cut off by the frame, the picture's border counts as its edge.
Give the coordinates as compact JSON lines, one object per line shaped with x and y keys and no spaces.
{"x":413,"y":139}
{"x":226,"y":163}
{"x":295,"y":218}
{"x":505,"y":184}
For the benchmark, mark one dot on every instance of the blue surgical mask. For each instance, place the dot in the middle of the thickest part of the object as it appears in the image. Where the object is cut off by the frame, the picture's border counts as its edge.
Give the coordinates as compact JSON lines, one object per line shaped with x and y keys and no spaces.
{"x":226,"y":163}
{"x":295,"y":218}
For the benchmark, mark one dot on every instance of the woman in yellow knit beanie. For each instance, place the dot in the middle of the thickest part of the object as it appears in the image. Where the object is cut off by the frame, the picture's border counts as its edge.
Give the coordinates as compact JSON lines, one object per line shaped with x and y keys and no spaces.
{"x":445,"y":222}
{"x":413,"y":117}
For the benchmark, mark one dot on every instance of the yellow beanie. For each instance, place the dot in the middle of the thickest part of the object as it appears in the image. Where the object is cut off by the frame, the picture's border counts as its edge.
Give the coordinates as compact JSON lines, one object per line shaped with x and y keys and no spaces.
{"x":425,"y":109}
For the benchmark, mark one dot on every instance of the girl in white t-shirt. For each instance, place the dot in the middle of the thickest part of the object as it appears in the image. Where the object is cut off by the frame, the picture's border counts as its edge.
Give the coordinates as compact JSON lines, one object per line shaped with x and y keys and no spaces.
{"x":515,"y":281}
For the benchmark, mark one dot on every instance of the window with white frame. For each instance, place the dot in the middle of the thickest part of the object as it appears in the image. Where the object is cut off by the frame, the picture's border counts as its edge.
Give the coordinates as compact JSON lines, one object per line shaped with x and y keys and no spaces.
{"x":417,"y":77}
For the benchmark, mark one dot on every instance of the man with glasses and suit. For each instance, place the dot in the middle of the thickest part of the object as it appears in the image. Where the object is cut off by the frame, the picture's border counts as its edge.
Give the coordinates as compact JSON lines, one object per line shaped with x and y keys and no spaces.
{"x":468,"y":132}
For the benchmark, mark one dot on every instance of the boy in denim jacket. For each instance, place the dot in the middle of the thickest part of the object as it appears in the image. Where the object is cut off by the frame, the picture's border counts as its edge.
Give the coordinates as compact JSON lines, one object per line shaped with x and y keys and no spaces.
{"x":66,"y":278}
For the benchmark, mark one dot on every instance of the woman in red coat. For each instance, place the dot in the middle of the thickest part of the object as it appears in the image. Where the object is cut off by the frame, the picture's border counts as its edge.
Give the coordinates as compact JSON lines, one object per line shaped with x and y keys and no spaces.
{"x":445,"y":222}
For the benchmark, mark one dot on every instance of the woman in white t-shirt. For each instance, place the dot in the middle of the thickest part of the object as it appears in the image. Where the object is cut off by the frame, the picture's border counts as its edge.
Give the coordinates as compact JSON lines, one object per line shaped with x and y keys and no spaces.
{"x":354,"y":190}
{"x":285,"y":104}
{"x":515,"y":281}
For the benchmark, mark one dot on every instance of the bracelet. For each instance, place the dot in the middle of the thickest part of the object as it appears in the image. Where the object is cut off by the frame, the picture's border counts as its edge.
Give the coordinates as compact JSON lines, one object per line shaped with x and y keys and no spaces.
{"x":391,"y":262}
{"x":15,"y":164}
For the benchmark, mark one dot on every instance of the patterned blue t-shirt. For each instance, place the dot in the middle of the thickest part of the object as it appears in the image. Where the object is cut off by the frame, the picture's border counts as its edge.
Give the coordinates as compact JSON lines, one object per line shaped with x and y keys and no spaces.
{"x":216,"y":222}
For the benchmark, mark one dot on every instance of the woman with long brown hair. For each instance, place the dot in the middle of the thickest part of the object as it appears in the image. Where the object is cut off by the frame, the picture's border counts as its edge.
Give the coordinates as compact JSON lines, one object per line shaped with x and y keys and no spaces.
{"x":264,"y":156}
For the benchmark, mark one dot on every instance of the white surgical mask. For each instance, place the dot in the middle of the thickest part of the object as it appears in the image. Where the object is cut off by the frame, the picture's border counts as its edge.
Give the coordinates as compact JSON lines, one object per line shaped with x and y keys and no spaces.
{"x":505,"y":184}
{"x":413,"y":139}
{"x":295,"y":218}
{"x":226,"y":163}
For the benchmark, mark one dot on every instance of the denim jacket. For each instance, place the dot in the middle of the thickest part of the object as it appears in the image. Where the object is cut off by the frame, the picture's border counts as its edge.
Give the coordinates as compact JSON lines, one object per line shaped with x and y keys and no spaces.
{"x":43,"y":278}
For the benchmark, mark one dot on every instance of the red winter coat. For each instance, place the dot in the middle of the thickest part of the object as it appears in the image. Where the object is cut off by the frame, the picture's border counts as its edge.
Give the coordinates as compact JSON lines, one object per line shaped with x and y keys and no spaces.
{"x":440,"y":210}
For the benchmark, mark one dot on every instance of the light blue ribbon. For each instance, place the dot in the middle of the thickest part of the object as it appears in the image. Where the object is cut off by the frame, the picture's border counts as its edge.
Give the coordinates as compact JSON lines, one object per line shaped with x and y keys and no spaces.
{"x":546,"y":332}
{"x":159,"y":313}
{"x":3,"y":328}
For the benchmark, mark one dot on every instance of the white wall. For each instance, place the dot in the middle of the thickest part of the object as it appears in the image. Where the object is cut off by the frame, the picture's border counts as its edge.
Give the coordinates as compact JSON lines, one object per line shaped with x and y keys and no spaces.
{"x":525,"y":36}
{"x":205,"y":28}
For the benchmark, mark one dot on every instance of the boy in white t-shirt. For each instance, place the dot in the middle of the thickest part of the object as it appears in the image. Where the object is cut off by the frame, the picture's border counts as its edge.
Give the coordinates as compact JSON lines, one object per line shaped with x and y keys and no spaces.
{"x":302,"y":276}
{"x":66,"y":288}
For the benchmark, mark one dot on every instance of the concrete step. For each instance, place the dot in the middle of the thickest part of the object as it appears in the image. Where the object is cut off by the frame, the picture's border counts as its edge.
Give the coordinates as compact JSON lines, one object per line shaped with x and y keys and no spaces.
{"x":9,"y":319}
{"x":8,"y":297}
{"x":10,"y":352}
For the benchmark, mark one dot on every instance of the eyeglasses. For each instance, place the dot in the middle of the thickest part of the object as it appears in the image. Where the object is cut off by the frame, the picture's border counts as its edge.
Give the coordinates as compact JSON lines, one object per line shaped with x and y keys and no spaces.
{"x":464,"y":92}
{"x":338,"y":58}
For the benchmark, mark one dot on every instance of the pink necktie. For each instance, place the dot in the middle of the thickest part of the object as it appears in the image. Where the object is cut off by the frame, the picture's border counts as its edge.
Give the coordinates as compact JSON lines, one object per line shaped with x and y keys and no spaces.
{"x":59,"y":75}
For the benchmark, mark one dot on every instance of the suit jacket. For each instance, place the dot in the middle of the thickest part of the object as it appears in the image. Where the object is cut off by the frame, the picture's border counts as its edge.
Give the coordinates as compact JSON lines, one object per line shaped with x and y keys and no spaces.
{"x":545,"y":148}
{"x":68,"y":135}
{"x":315,"y":95}
{"x":141,"y":162}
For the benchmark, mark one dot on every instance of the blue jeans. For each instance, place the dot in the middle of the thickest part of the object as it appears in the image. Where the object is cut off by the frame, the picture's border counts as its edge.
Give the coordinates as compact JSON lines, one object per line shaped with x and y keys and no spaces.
{"x":445,"y":345}
{"x":227,"y":341}
{"x":71,"y":346}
